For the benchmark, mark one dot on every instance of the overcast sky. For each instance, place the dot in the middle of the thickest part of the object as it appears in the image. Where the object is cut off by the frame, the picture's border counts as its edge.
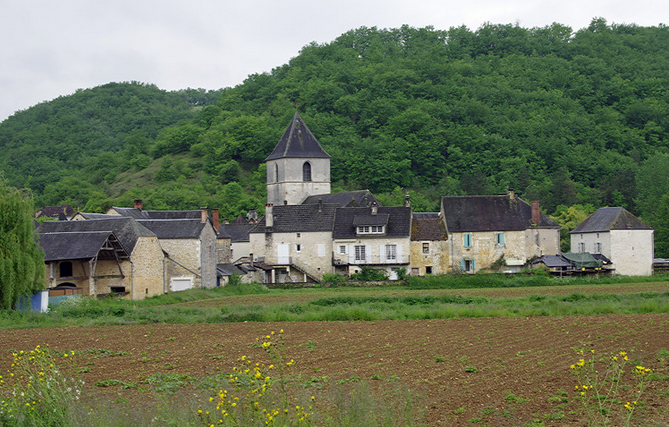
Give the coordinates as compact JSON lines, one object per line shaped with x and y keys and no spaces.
{"x":52,"y":48}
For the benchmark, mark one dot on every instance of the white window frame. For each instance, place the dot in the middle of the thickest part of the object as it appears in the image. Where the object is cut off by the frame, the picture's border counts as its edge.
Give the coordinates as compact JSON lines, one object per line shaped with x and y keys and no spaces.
{"x":391,"y":252}
{"x":370,"y":229}
{"x":359,"y":252}
{"x":343,"y":249}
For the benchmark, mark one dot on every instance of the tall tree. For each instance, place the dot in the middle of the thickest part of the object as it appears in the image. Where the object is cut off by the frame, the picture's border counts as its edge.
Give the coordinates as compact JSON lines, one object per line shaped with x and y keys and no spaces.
{"x":21,"y":258}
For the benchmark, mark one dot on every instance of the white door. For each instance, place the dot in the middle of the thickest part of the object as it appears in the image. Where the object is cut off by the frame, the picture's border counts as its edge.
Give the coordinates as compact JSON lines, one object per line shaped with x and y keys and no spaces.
{"x":394,"y":274}
{"x":282,"y":254}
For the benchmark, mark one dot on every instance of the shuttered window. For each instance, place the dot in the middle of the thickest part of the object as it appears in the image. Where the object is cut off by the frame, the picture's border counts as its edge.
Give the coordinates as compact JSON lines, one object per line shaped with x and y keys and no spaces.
{"x":467,"y":240}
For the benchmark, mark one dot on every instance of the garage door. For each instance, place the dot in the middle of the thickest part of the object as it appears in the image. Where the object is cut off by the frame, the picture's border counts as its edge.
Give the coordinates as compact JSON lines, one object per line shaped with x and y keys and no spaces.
{"x":181,"y":283}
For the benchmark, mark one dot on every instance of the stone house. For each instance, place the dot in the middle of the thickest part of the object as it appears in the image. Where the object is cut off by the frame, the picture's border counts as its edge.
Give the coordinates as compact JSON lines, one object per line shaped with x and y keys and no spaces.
{"x":102,"y":256}
{"x":618,"y":235}
{"x":429,"y":246}
{"x":500,"y":231}
{"x":377,"y":237}
{"x":190,"y":247}
{"x":238,"y":231}
{"x":292,"y":243}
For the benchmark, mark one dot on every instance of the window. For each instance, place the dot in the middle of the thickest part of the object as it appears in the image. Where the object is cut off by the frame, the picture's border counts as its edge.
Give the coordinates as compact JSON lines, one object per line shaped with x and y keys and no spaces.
{"x":581,"y":247}
{"x":306,"y":172}
{"x":467,"y":265}
{"x":297,"y":247}
{"x":343,"y":250}
{"x":467,"y":240}
{"x":391,"y":252}
{"x":597,"y":248}
{"x":500,"y":239}
{"x":426,"y":248}
{"x":276,"y":173}
{"x":415,"y":271}
{"x":360,"y":253}
{"x":370,"y":229}
{"x":429,"y":270}
{"x":66,"y":269}
{"x":297,"y":234}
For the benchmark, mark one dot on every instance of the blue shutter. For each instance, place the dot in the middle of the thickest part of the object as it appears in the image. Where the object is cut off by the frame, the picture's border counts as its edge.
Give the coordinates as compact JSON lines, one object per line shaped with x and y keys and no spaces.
{"x":472,"y":265}
{"x":467,"y":240}
{"x":462,"y":264}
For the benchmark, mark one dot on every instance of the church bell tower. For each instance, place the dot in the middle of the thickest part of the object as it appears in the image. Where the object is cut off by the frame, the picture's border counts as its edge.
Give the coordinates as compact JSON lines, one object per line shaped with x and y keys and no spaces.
{"x":298,"y":166}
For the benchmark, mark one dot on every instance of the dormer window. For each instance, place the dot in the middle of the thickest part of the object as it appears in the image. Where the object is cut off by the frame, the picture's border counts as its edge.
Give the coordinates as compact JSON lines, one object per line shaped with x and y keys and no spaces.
{"x":370,"y":229}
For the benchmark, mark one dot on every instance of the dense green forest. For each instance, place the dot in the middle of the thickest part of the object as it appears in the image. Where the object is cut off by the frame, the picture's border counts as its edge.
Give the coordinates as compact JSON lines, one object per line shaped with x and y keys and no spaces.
{"x":575,"y":119}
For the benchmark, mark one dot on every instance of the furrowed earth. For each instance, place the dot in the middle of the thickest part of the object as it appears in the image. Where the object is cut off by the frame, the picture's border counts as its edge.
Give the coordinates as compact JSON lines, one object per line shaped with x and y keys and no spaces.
{"x":462,"y":372}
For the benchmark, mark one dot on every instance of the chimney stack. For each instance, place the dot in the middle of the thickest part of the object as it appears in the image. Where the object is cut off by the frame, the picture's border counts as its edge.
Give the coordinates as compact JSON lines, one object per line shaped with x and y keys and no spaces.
{"x":510,"y":193}
{"x":203,"y":214}
{"x":269,"y":219}
{"x":535,"y":211}
{"x":215,"y":219}
{"x":138,"y":204}
{"x":407,"y":201}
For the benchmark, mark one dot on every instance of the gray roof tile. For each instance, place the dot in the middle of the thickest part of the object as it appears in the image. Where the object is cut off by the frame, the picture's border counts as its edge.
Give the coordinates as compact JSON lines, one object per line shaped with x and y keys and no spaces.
{"x":606,"y":219}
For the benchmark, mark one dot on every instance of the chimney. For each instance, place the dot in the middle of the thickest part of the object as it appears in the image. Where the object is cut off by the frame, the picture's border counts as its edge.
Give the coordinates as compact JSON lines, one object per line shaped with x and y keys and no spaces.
{"x":215,"y":219}
{"x":269,"y":219}
{"x":374,"y":208}
{"x":535,"y":211}
{"x":137,"y":204}
{"x":510,"y":193}
{"x":407,"y":201}
{"x":251,"y":259}
{"x":203,"y":214}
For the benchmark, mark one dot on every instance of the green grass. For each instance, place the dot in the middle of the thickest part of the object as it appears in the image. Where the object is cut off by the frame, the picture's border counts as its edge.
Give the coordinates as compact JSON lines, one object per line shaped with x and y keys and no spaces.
{"x":333,"y":304}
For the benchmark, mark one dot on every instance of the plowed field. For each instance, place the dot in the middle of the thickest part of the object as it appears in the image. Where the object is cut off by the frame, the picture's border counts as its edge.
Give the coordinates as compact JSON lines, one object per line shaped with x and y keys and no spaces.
{"x":492,"y":371}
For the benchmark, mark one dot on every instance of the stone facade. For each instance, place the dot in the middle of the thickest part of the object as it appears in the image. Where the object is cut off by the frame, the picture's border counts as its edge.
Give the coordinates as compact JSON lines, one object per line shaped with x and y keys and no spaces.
{"x":429,"y":257}
{"x":285,"y":183}
{"x":631,"y":251}
{"x":382,"y":253}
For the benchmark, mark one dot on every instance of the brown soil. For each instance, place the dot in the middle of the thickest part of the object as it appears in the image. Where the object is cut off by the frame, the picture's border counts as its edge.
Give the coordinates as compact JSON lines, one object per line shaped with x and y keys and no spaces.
{"x":465,"y":371}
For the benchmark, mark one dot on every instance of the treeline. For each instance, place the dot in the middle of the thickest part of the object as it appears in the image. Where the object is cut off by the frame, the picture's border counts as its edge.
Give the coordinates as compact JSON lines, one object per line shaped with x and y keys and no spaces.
{"x":571,"y":118}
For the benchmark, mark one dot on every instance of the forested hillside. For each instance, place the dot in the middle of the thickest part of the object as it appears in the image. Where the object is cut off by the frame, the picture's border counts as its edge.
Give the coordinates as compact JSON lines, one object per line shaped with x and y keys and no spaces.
{"x":571,"y":118}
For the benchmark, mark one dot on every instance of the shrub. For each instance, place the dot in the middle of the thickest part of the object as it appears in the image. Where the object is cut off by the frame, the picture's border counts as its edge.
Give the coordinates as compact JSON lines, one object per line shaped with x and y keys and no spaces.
{"x":369,"y":274}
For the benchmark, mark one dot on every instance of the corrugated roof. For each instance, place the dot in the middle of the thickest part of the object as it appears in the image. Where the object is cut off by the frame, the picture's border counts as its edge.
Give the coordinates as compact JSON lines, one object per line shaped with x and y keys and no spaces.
{"x":350,"y":199}
{"x":299,"y":218}
{"x":399,"y":221}
{"x":174,"y":228}
{"x":298,"y":142}
{"x":490,"y":213}
{"x":606,"y":219}
{"x":428,"y":227}
{"x":126,"y":230}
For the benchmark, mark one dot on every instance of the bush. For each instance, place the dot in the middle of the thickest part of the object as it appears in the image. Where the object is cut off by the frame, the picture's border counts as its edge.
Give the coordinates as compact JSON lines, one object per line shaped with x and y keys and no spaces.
{"x":369,"y":274}
{"x":333,"y":279}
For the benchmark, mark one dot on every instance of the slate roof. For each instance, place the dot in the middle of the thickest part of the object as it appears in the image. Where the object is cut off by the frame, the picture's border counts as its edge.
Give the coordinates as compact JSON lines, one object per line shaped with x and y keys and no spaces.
{"x":398,"y":220}
{"x":490,"y":213}
{"x":237,"y":232}
{"x":298,"y":142}
{"x":428,"y":226}
{"x":299,"y":218}
{"x":126,"y":230}
{"x":61,"y":212}
{"x":174,"y":228}
{"x":78,"y":245}
{"x":606,"y":219}
{"x":230,"y":269}
{"x":148,"y":214}
{"x":350,"y":199}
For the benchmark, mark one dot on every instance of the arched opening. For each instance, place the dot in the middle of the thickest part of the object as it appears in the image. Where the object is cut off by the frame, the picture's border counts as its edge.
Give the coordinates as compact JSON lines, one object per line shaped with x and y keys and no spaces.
{"x":65,"y":269}
{"x":306,"y":172}
{"x":276,"y":173}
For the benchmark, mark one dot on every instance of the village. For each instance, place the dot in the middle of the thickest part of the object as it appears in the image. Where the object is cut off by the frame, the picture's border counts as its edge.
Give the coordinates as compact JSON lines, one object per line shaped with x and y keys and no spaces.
{"x":308,"y":233}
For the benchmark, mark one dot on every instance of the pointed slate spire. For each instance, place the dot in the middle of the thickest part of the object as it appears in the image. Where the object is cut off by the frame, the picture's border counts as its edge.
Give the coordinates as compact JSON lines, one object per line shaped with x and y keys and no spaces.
{"x":298,"y":142}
